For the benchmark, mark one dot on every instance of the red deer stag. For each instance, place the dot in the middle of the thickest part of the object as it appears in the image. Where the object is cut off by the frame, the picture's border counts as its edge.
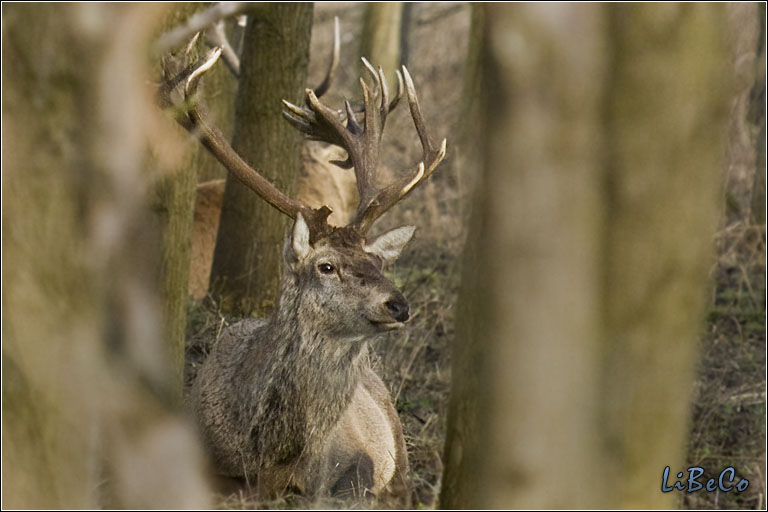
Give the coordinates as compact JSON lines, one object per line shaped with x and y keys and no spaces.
{"x":291,"y":402}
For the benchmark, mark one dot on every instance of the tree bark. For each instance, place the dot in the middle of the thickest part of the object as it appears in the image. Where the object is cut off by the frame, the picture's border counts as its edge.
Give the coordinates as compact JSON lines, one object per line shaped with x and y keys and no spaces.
{"x":87,"y":419}
{"x":173,"y":199}
{"x":248,"y":254}
{"x":585,"y":279}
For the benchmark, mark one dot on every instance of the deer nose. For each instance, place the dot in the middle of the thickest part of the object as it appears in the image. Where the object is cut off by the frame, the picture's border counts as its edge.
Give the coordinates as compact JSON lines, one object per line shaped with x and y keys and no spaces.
{"x":398,"y":307}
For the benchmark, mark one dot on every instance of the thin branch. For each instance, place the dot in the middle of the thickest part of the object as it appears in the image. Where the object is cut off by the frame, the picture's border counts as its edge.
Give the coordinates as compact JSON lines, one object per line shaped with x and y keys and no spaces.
{"x":198,"y":22}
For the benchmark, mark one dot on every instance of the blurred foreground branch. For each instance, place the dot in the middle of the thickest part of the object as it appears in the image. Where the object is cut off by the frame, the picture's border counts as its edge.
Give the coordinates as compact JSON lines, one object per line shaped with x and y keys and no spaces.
{"x":88,"y":397}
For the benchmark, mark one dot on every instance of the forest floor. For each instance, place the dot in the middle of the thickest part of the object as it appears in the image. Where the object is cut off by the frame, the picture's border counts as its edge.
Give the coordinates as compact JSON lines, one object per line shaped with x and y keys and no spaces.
{"x":728,"y":417}
{"x":729,"y":412}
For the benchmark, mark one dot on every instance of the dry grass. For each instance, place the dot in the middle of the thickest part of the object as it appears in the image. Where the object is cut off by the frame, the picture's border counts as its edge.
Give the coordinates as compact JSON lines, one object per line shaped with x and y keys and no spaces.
{"x":729,"y":408}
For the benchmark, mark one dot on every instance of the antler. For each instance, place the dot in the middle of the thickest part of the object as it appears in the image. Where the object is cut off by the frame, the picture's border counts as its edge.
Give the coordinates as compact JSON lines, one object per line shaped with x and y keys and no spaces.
{"x":189,"y":113}
{"x":331,"y":73}
{"x":319,"y":122}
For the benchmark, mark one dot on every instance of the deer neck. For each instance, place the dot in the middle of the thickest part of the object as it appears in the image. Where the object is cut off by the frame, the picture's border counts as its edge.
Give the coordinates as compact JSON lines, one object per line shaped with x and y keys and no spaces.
{"x":314,"y":375}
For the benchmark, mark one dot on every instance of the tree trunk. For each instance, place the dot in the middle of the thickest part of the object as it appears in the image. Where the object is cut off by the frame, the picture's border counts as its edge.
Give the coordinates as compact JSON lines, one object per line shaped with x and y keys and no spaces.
{"x":172,"y":202}
{"x":248,"y":254}
{"x":380,"y":41}
{"x":584,"y":282}
{"x":757,"y":118}
{"x":665,"y":147}
{"x":86,"y":387}
{"x":469,"y":146}
{"x":172,"y":205}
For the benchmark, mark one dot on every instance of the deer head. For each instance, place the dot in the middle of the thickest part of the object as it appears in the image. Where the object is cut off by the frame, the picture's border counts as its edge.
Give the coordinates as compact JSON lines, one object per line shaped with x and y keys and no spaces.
{"x":343,"y":292}
{"x":341,"y":266}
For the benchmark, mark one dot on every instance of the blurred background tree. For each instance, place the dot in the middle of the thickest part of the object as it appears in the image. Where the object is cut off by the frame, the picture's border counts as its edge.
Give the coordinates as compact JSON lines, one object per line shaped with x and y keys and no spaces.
{"x":381,"y":40}
{"x":756,"y":117}
{"x":593,"y":225}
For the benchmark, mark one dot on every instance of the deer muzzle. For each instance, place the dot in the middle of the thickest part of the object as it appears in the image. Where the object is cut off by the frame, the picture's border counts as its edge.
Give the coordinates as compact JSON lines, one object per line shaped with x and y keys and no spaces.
{"x":398,"y":307}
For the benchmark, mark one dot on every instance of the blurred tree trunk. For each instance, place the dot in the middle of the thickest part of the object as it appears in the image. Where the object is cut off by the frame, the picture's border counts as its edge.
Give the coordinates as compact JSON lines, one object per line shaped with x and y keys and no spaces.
{"x":522,"y":393}
{"x":469,"y":147}
{"x":248,"y":254}
{"x":380,"y":41}
{"x":466,"y":411}
{"x":757,"y":118}
{"x":585,"y":277}
{"x":665,"y":148}
{"x":86,"y":390}
{"x":172,"y":201}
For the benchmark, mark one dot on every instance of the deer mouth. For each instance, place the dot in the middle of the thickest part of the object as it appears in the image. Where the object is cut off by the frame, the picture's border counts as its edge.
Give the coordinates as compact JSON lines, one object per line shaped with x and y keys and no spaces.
{"x":387,"y":325}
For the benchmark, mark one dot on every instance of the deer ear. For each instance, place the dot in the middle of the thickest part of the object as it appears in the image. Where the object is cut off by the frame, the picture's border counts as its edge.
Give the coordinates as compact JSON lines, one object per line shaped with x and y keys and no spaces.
{"x":300,"y":238}
{"x":388,"y":246}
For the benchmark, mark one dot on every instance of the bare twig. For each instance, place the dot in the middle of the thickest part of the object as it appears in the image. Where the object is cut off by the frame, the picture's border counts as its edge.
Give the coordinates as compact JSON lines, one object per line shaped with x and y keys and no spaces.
{"x":198,"y":22}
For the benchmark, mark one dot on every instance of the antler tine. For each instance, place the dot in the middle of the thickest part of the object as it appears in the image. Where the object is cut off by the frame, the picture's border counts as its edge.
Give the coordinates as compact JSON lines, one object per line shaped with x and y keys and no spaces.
{"x":384,"y":108}
{"x":304,"y":119}
{"x":364,"y":155}
{"x":189,"y":116}
{"x":371,"y":71}
{"x":352,"y":124}
{"x":216,"y":36}
{"x":381,"y":82}
{"x":435,"y":156}
{"x":432,"y":157}
{"x":331,"y":73}
{"x":320,"y":122}
{"x":399,"y":94}
{"x":206,"y":63}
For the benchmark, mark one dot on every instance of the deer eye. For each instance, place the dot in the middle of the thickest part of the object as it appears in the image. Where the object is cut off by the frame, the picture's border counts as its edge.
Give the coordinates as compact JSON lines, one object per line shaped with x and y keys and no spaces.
{"x":326,"y":268}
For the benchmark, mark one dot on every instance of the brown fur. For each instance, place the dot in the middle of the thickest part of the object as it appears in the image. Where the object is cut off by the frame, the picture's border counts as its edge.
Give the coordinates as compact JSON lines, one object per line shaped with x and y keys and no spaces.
{"x":291,"y":403}
{"x":208,"y":200}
